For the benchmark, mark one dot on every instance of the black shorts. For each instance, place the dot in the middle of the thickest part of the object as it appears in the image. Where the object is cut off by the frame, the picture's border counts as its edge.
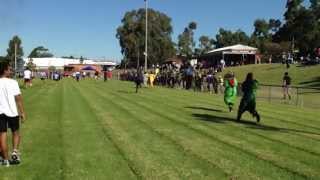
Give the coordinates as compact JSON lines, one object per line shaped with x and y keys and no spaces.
{"x":9,"y":122}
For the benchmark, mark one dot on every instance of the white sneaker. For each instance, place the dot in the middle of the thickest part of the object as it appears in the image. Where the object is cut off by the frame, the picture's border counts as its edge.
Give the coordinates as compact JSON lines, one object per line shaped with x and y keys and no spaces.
{"x":15,"y":156}
{"x":6,"y":163}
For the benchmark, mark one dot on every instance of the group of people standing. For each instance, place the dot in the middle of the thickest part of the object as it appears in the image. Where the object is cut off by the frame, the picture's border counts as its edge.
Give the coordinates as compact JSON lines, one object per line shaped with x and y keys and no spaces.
{"x":144,"y":78}
{"x":185,"y":77}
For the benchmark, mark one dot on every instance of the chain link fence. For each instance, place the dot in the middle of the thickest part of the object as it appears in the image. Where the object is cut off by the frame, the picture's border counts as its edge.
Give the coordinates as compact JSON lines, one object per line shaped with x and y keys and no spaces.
{"x":300,"y":96}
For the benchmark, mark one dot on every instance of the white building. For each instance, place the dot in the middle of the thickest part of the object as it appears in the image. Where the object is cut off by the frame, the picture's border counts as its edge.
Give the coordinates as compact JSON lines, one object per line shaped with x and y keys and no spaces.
{"x":60,"y":63}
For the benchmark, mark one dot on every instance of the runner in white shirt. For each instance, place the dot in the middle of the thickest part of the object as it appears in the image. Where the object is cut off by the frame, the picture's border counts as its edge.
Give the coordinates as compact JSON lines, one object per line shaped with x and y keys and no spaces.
{"x":11,"y":111}
{"x":27,"y":76}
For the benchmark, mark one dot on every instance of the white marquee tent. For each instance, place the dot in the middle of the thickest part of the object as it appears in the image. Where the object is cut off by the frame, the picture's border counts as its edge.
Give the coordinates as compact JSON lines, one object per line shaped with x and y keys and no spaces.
{"x":235,"y":49}
{"x":233,"y":55}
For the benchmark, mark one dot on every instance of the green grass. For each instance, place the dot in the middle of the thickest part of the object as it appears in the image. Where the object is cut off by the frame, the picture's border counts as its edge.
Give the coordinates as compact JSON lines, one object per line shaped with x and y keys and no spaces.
{"x":302,"y":76}
{"x":97,"y":130}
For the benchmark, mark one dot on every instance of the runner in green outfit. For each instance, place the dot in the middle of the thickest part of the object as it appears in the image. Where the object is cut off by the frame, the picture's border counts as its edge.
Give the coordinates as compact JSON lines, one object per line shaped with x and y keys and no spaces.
{"x":230,"y":92}
{"x":248,"y":101}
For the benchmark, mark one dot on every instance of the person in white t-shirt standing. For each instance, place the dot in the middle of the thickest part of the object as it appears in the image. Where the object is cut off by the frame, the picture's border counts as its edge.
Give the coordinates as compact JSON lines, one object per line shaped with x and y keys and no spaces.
{"x":27,"y":76}
{"x":11,"y":112}
{"x":222,"y":63}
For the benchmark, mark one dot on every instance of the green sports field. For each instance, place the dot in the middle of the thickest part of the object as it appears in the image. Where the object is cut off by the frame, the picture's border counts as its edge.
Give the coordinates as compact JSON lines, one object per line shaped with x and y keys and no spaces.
{"x":97,"y":130}
{"x":307,"y":78}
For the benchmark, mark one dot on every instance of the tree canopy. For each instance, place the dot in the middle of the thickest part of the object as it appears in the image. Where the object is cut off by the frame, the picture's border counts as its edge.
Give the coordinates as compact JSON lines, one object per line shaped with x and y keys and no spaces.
{"x":15,"y":41}
{"x":300,"y":30}
{"x":205,"y":44}
{"x":186,"y":44}
{"x":227,"y":38}
{"x":302,"y":26}
{"x":40,"y":52}
{"x":132,"y":39}
{"x":11,"y":49}
{"x":31,"y":65}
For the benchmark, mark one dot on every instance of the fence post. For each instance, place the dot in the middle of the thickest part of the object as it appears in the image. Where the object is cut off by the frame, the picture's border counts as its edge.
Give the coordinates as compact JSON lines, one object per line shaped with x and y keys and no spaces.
{"x":269,"y":94}
{"x":297,"y":98}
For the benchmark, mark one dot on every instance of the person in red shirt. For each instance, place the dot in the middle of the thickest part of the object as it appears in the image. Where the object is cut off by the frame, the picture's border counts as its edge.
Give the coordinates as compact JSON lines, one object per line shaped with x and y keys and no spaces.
{"x":109,"y":74}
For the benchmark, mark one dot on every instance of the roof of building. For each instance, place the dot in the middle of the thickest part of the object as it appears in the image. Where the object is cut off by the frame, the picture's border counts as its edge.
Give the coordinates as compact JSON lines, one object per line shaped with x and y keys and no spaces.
{"x":235,"y":49}
{"x":60,"y":62}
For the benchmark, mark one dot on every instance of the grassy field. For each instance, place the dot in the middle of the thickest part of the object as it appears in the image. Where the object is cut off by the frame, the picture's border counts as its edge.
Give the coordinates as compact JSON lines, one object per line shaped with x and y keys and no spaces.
{"x":307,"y":78}
{"x":97,"y":130}
{"x":302,"y":76}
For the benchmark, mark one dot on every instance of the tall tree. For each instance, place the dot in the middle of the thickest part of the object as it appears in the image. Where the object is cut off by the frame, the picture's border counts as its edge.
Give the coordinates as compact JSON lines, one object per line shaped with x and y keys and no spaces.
{"x":186,"y":44}
{"x":293,"y":8}
{"x":31,"y":65}
{"x":274,"y":25}
{"x":40,"y":52}
{"x":192,"y":25}
{"x":205,"y":44}
{"x":228,"y":38}
{"x":132,"y":40}
{"x":315,"y":4}
{"x":301,"y":27}
{"x":315,"y":10}
{"x":261,"y":35}
{"x":261,"y":28}
{"x":15,"y":41}
{"x":2,"y":58}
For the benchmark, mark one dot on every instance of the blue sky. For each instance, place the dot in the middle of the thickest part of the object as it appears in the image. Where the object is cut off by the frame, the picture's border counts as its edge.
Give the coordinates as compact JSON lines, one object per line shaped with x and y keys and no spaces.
{"x":88,"y":27}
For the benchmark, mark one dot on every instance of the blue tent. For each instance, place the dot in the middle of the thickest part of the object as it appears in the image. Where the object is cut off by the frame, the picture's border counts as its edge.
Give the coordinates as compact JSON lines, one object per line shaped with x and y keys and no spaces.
{"x":88,"y":68}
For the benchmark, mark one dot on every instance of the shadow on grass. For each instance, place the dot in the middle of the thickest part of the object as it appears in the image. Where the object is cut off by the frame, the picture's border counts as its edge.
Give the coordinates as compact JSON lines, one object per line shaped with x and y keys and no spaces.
{"x":127,"y":92}
{"x":314,"y":83}
{"x":203,"y":108}
{"x":249,"y":124}
{"x":274,"y":67}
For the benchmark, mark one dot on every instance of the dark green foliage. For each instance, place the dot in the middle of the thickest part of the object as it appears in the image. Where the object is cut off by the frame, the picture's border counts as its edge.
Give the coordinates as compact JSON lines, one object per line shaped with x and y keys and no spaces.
{"x":131,"y":35}
{"x":227,"y":38}
{"x":186,"y":44}
{"x":31,"y":65}
{"x":2,"y":58}
{"x":301,"y":30}
{"x":302,"y":25}
{"x":192,"y":25}
{"x":40,"y":52}
{"x":261,"y":28}
{"x":68,"y":57}
{"x":205,"y":44}
{"x":274,"y":25}
{"x":11,"y":51}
